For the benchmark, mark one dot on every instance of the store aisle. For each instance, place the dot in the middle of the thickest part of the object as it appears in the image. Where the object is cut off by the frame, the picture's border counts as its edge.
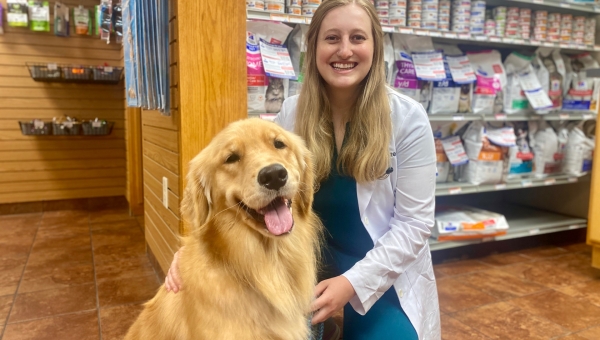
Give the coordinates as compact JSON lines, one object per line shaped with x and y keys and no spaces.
{"x":84,"y":275}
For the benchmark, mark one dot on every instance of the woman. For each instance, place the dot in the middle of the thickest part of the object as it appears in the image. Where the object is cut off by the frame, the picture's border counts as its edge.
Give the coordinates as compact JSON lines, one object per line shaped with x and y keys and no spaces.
{"x":375,"y":161}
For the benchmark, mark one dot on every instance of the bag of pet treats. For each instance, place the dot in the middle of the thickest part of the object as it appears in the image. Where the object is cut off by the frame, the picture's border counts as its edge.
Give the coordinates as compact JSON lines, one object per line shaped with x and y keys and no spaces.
{"x":550,"y":71}
{"x":547,"y":147}
{"x":486,"y":164}
{"x":520,"y":156}
{"x":265,"y":94}
{"x":491,"y":80}
{"x":579,"y":151}
{"x":297,"y":49}
{"x":579,"y":90}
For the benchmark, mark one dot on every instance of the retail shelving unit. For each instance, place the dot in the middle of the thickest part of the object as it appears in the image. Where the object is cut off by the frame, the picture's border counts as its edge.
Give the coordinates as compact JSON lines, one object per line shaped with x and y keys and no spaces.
{"x":528,"y":211}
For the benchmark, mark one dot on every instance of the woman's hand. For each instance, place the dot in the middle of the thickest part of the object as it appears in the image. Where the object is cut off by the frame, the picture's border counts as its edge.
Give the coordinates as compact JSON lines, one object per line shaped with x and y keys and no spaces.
{"x":173,"y":279}
{"x":332,"y":295}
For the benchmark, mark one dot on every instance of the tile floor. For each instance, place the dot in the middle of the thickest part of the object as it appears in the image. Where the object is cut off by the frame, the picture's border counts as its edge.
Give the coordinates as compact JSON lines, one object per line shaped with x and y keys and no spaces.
{"x":83,"y":275}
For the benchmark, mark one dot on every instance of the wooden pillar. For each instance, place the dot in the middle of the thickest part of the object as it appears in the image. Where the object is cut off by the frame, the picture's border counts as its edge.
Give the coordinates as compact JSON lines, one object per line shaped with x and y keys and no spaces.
{"x":135,"y":180}
{"x":593,"y":230}
{"x":212,"y":72}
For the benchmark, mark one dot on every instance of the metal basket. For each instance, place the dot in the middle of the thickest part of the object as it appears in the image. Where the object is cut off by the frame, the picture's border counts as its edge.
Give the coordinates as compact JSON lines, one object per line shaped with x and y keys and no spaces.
{"x":77,"y":72}
{"x":66,"y":128}
{"x":36,"y":129}
{"x":94,"y":129}
{"x":44,"y":72}
{"x":110,"y":75}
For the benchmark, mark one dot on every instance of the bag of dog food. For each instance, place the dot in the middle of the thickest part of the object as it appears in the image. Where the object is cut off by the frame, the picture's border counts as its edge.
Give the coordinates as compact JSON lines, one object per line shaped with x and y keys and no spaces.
{"x":486,"y":164}
{"x":491,"y":80}
{"x":579,"y":150}
{"x":551,"y":73}
{"x":579,"y":90}
{"x":265,"y":94}
{"x":297,"y":49}
{"x":520,"y":156}
{"x":515,"y":100}
{"x":547,"y":147}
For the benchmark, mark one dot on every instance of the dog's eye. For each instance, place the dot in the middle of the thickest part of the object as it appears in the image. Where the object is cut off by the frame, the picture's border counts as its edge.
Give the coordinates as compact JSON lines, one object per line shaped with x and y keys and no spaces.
{"x":232,"y":158}
{"x":279,"y":144}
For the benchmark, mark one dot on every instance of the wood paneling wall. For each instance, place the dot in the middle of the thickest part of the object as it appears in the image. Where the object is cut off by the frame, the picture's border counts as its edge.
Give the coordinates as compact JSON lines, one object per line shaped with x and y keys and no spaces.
{"x":58,"y":167}
{"x":161,"y":154}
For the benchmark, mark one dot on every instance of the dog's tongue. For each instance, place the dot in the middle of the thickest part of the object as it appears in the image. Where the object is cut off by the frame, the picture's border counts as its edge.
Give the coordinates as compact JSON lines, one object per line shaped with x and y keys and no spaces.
{"x":278,"y":217}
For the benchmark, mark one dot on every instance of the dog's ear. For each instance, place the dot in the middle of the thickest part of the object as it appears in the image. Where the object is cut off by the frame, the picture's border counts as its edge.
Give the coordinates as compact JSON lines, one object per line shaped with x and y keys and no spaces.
{"x":195,"y":206}
{"x":307,"y":177}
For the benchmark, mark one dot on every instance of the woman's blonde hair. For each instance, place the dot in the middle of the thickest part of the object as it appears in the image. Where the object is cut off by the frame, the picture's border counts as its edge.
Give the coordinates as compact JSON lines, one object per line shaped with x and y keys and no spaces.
{"x":365,"y":155}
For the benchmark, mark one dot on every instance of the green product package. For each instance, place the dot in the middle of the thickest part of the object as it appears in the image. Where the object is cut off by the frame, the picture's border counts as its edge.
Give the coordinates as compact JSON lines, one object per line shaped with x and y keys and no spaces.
{"x":83,"y":22}
{"x":39,"y":15}
{"x":16,"y":13}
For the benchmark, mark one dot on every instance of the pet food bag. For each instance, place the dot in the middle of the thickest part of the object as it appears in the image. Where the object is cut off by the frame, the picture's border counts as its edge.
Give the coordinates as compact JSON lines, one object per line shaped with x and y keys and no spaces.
{"x":520,"y":156}
{"x":486,"y":164}
{"x":515,"y":100}
{"x":579,"y":90}
{"x":265,"y":94}
{"x":551,"y":74}
{"x":578,"y":152}
{"x":297,"y":49}
{"x":548,"y":147}
{"x":454,"y":223}
{"x":491,"y":80}
{"x":405,"y":77}
{"x":449,"y":149}
{"x":388,"y":59}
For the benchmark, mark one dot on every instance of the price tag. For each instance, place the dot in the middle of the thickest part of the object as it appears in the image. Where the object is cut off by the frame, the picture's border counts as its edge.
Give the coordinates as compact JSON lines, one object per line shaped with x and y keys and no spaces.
{"x":526,"y":183}
{"x":108,"y":69}
{"x":387,"y":28}
{"x":565,"y":5}
{"x":297,"y":19}
{"x":500,"y":186}
{"x":464,"y":36}
{"x":406,"y":30}
{"x":423,"y":33}
{"x":548,"y":44}
{"x":538,"y":1}
{"x":452,"y":35}
{"x":458,"y":117}
{"x":564,"y":45}
{"x":495,"y":39}
{"x":519,"y":41}
{"x":534,"y":231}
{"x":572,"y":179}
{"x":564,"y":116}
{"x":508,"y":40}
{"x":571,"y":227}
{"x":52,"y":67}
{"x":587,"y":116}
{"x":279,"y":17}
{"x":38,"y":124}
{"x":454,"y":191}
{"x":534,"y":42}
{"x":435,"y":34}
{"x":550,"y":181}
{"x":500,"y":116}
{"x":481,"y":38}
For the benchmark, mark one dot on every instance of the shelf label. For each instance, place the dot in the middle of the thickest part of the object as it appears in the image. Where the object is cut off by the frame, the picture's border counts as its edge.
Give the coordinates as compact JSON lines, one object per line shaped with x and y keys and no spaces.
{"x":534,"y":42}
{"x":564,"y":45}
{"x":565,"y":5}
{"x":571,"y":227}
{"x":279,"y":17}
{"x":435,"y":34}
{"x":406,"y":30}
{"x":421,"y":32}
{"x":52,"y":67}
{"x":487,"y":239}
{"x":481,"y":37}
{"x":519,"y":41}
{"x":452,"y":35}
{"x":550,"y":181}
{"x":526,"y":183}
{"x":534,"y":231}
{"x":458,"y":117}
{"x":500,"y":116}
{"x":500,"y":186}
{"x":495,"y":39}
{"x":564,"y":116}
{"x":464,"y":36}
{"x":587,"y":116}
{"x":548,"y":44}
{"x":508,"y":40}
{"x":538,"y":1}
{"x":387,"y":28}
{"x":572,"y":179}
{"x":454,"y":191}
{"x":297,"y":19}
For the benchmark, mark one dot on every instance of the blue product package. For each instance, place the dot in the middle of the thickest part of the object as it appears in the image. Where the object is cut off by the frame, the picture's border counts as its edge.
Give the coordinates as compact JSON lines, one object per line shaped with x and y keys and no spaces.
{"x":129,"y":54}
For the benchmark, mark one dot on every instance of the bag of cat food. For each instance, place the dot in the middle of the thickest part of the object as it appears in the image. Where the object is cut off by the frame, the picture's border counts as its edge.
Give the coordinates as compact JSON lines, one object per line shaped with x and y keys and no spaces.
{"x":548,"y":147}
{"x":454,"y":94}
{"x":515,"y":100}
{"x":491,"y":80}
{"x":520,"y":156}
{"x":297,"y":49}
{"x":579,"y":150}
{"x":579,"y":90}
{"x":265,"y":94}
{"x":449,"y":149}
{"x":486,"y":164}
{"x":551,"y":74}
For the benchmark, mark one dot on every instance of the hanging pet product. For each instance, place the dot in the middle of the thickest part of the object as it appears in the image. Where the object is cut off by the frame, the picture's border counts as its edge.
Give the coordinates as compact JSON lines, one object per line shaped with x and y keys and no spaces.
{"x":65,"y":126}
{"x":97,"y":127}
{"x":36,"y":128}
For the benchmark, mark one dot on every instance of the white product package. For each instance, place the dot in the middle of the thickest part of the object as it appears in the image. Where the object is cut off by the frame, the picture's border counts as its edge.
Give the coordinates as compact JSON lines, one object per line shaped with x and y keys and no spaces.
{"x":297,"y":49}
{"x":551,"y":73}
{"x":388,"y":58}
{"x":463,"y":223}
{"x":491,"y":80}
{"x":405,"y":76}
{"x":520,"y":157}
{"x":579,"y":89}
{"x":547,"y":147}
{"x":443,"y":134}
{"x":515,"y":100}
{"x":485,"y":159}
{"x":265,"y":94}
{"x":578,"y":152}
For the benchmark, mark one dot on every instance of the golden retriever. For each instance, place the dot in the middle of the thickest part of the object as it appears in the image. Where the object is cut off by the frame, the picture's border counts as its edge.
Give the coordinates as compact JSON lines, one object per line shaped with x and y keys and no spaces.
{"x":249,"y":265}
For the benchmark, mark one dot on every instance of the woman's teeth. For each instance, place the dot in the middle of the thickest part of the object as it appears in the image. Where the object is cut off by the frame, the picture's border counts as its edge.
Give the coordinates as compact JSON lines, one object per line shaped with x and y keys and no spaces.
{"x":343,"y":66}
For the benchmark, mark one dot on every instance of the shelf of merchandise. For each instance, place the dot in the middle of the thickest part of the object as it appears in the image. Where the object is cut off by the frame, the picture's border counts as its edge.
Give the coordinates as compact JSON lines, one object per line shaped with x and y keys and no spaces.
{"x":450,"y":36}
{"x":562,"y":115}
{"x":459,"y":188}
{"x":522,"y":222}
{"x":552,"y":5}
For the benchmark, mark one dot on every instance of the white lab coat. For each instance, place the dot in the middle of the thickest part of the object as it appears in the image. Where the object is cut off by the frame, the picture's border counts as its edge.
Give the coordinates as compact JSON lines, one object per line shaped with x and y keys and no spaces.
{"x":399,"y":221}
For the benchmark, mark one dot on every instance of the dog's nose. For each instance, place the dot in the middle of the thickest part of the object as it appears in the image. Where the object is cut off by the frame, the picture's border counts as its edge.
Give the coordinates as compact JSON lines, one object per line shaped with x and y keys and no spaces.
{"x":273,"y":176}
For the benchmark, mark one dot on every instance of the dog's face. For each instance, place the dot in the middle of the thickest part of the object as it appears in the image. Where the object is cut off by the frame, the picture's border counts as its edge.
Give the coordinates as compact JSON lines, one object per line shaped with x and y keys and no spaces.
{"x":254,"y":170}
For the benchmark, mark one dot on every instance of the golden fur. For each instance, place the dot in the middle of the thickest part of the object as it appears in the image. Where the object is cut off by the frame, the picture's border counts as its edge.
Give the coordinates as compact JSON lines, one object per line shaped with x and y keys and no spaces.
{"x":240,"y":281}
{"x":365,"y":155}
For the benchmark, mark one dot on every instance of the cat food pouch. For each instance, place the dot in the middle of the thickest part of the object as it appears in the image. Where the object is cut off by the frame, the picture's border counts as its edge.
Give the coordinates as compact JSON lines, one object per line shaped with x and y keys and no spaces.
{"x":491,"y":80}
{"x":578,"y":93}
{"x":265,"y":94}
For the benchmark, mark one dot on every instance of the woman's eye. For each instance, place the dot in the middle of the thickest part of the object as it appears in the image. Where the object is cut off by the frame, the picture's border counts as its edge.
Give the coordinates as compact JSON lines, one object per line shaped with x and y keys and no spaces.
{"x":232,"y":158}
{"x":331,"y":38}
{"x":359,"y":37}
{"x":279,"y":144}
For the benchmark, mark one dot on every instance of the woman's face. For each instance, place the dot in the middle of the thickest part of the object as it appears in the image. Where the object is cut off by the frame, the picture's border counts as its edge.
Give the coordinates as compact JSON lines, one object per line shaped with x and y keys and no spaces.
{"x":345,"y":47}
